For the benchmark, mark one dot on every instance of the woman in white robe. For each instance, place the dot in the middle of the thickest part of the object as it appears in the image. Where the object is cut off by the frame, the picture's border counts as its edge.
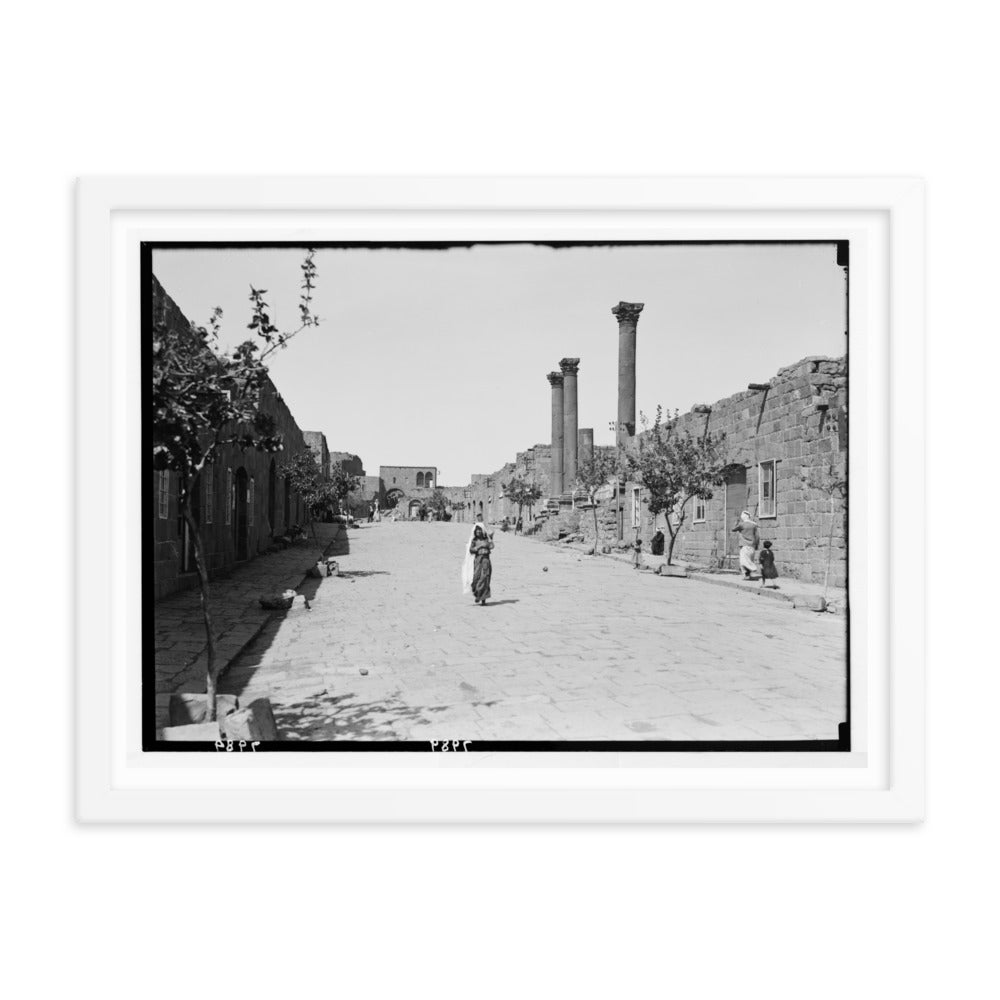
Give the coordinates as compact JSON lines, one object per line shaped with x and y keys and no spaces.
{"x":749,"y":543}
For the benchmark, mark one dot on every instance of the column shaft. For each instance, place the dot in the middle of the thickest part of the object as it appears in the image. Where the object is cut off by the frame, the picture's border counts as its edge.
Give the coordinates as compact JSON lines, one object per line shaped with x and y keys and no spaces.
{"x":570,"y":367}
{"x":556,"y":472}
{"x":585,"y":446}
{"x":627,"y":314}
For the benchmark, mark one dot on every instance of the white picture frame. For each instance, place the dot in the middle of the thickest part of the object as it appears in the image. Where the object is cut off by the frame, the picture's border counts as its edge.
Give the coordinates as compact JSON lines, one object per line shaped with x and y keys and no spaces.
{"x":883,"y":782}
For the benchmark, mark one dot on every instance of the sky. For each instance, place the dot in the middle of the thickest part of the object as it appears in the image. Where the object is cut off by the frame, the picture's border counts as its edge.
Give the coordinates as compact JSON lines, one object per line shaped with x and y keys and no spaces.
{"x":439,"y":357}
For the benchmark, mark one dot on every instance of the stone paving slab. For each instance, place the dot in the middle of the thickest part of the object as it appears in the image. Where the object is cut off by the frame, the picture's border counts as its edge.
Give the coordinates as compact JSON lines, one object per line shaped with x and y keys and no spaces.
{"x":180,"y":631}
{"x":571,"y":647}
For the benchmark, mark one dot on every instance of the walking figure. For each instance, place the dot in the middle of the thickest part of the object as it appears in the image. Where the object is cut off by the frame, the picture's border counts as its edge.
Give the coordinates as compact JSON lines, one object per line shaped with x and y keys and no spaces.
{"x":749,"y":543}
{"x":477,"y":569}
{"x":767,"y":568}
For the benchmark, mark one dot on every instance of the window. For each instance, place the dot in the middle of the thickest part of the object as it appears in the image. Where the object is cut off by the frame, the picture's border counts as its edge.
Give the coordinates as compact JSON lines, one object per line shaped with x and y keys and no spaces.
{"x":163,"y":495}
{"x":767,"y":482}
{"x":229,"y":496}
{"x":209,"y":480}
{"x":250,"y":496}
{"x":699,"y":509}
{"x":420,"y":479}
{"x":636,"y":506}
{"x":429,"y":479}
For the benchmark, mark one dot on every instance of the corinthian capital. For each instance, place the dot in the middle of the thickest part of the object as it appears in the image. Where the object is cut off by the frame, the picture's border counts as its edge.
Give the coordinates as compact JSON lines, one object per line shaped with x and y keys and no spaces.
{"x":627,"y":311}
{"x":555,"y":378}
{"x":569,"y":366}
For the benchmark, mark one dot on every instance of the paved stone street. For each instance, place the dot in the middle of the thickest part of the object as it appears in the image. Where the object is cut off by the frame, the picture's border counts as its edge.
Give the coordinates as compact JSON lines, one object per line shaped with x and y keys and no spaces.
{"x":590,"y":649}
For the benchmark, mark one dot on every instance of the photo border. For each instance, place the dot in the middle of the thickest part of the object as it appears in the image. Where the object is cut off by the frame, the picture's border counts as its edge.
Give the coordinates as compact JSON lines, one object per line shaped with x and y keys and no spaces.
{"x":99,"y":199}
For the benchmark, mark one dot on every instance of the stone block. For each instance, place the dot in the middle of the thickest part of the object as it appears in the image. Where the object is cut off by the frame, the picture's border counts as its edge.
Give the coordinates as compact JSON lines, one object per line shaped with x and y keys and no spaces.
{"x":202,"y":732}
{"x":190,"y":709}
{"x":668,"y":570}
{"x":809,"y":602}
{"x":255,"y":722}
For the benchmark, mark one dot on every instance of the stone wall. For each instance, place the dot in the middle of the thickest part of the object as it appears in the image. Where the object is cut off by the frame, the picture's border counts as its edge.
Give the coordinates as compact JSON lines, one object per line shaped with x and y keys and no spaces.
{"x":316,"y":440}
{"x":351,"y":464}
{"x":798,"y":422}
{"x":242,"y":502}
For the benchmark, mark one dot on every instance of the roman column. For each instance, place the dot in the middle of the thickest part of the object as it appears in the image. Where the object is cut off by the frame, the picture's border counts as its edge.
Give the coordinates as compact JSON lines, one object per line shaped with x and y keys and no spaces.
{"x":569,"y":366}
{"x":585,"y":445}
{"x":556,"y":477}
{"x":627,"y":314}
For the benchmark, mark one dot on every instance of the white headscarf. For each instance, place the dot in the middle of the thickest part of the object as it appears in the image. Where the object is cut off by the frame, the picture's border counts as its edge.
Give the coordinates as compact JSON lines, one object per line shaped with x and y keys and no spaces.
{"x":469,"y":562}
{"x":746,"y":518}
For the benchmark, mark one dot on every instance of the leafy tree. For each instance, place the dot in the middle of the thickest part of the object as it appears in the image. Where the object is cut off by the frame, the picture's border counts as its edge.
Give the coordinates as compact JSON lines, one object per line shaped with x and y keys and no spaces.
{"x":204,"y":400}
{"x":341,"y":485}
{"x":319,"y":494}
{"x":437,"y":504}
{"x":674,"y":467}
{"x":522,"y":493}
{"x":591,"y":476}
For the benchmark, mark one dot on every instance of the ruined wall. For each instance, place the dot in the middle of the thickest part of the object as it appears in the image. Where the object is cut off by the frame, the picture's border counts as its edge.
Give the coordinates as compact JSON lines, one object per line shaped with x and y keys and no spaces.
{"x":316,"y":440}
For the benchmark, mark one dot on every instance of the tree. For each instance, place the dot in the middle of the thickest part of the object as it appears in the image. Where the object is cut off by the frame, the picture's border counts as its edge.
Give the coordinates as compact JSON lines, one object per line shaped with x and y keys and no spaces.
{"x":341,"y":485}
{"x":437,"y":504}
{"x":591,"y":476}
{"x":831,"y":482}
{"x":522,"y":493}
{"x":674,"y":467}
{"x":204,"y":400}
{"x":318,"y":493}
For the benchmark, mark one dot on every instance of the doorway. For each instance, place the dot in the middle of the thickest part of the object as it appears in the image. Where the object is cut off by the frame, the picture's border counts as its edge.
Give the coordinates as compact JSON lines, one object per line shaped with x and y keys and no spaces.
{"x":240,"y":520}
{"x":735,"y":479}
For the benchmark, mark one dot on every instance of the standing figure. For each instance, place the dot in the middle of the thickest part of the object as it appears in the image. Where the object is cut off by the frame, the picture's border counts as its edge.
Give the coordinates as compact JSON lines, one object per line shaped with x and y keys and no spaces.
{"x":768,"y":571}
{"x":477,"y":569}
{"x":637,"y":551}
{"x":749,"y":543}
{"x":519,"y":527}
{"x":656,"y":543}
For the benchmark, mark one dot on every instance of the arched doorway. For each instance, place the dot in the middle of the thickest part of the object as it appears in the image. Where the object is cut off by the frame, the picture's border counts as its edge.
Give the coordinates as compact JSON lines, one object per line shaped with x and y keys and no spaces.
{"x":241,"y":489}
{"x":414,"y":508}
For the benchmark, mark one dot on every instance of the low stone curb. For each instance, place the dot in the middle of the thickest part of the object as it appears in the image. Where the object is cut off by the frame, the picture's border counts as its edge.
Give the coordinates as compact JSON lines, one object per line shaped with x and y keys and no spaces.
{"x":779,"y":595}
{"x":834,"y":607}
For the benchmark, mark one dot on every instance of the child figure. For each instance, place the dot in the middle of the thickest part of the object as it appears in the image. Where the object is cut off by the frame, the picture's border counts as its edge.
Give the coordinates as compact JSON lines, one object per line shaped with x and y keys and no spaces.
{"x":766,"y":560}
{"x":637,"y":552}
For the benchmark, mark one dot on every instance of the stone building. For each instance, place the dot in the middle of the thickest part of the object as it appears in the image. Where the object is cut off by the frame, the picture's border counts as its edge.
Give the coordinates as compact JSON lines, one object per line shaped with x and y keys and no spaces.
{"x":786,"y":461}
{"x":242,"y":502}
{"x":406,"y":487}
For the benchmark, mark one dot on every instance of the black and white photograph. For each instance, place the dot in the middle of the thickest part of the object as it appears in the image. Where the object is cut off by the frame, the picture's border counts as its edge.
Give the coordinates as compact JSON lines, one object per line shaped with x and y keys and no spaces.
{"x":496,"y":496}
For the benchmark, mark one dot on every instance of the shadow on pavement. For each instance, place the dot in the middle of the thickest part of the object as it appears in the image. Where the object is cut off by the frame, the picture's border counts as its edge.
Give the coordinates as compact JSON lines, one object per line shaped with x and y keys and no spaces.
{"x":364,"y":572}
{"x":509,"y":600}
{"x":333,"y":717}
